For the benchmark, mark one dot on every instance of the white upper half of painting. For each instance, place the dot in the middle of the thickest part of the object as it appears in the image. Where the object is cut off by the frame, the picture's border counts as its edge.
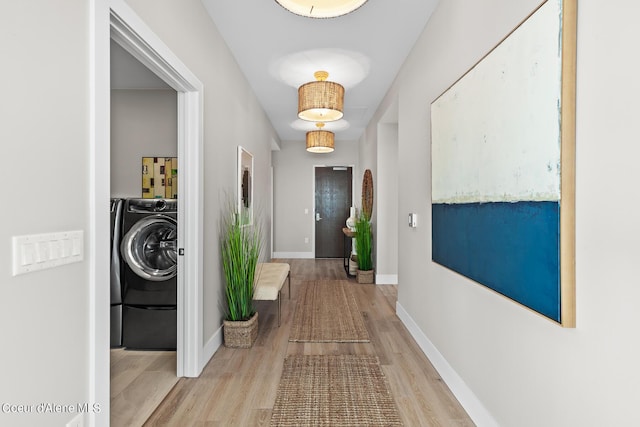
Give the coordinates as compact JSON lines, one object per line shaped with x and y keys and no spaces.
{"x":495,"y":134}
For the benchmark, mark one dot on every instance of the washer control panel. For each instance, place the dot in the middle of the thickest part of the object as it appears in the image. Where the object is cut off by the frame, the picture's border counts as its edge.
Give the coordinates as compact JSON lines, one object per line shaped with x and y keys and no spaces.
{"x":152,"y":205}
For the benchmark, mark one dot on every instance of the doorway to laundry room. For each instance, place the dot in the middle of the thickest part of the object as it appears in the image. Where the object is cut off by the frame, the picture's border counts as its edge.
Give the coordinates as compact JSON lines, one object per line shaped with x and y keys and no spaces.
{"x":144,"y":267}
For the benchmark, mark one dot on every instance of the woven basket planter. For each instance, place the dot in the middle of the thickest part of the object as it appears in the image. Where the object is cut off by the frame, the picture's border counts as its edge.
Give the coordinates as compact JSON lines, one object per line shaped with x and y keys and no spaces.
{"x":364,"y":276}
{"x":241,"y":334}
{"x":353,"y":265}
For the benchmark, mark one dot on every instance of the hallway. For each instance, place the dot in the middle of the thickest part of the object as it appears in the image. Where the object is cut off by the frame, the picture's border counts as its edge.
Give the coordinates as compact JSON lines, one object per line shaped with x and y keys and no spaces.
{"x":238,"y":386}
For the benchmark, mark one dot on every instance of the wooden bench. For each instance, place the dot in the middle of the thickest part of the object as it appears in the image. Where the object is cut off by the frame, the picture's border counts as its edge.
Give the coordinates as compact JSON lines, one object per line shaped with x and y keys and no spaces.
{"x":269,"y":278}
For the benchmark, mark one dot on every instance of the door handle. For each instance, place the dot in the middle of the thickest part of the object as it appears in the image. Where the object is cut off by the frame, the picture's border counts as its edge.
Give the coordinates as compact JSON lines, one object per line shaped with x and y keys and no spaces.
{"x":318,"y":216}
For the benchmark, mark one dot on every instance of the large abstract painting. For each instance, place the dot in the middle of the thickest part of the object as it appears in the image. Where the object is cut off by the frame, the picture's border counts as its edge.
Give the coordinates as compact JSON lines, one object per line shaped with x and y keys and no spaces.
{"x":503,"y":159}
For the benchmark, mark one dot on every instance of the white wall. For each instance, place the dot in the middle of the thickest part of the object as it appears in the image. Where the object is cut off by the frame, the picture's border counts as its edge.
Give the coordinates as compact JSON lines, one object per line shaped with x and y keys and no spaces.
{"x":144,"y":123}
{"x":386,"y":205}
{"x":293,"y":181}
{"x":232,"y":117}
{"x":523,"y":369}
{"x":508,"y":365}
{"x":44,"y":133}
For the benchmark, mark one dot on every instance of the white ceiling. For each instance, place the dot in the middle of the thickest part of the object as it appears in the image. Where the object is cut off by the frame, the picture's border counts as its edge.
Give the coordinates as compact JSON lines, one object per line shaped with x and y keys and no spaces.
{"x":278,"y":51}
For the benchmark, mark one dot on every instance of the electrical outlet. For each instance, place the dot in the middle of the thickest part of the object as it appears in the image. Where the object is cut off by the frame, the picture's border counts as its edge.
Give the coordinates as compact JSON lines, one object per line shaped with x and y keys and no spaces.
{"x":306,"y":240}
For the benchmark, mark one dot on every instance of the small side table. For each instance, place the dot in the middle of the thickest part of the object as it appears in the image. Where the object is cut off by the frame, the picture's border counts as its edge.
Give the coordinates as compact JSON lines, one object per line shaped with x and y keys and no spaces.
{"x":348,"y":235}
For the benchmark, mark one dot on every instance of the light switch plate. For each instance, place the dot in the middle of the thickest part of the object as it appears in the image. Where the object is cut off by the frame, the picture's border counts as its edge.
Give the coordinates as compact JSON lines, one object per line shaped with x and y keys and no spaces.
{"x":413,"y":220}
{"x":41,"y":251}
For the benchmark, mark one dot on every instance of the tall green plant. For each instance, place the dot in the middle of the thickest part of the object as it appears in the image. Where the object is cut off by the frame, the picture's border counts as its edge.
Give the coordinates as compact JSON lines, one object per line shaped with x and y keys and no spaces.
{"x":363,"y":243}
{"x":241,"y":246}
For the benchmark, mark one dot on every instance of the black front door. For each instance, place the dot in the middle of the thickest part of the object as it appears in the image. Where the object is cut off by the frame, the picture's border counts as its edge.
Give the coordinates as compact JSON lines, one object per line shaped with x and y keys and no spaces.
{"x":333,"y":200}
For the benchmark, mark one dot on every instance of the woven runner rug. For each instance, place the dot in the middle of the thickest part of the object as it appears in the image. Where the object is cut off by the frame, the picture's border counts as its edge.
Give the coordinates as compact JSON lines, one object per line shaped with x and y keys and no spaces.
{"x":333,"y":390}
{"x":327,"y":312}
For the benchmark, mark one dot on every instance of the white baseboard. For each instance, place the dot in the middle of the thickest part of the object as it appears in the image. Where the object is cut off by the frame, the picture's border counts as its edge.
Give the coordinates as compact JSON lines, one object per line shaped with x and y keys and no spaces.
{"x":469,"y":401}
{"x":211,"y":347}
{"x":301,"y":255}
{"x":386,"y":279}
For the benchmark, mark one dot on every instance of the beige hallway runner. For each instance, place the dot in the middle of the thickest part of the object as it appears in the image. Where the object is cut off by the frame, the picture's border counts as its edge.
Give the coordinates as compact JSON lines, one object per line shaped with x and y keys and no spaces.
{"x":327,"y":312}
{"x":333,"y":390}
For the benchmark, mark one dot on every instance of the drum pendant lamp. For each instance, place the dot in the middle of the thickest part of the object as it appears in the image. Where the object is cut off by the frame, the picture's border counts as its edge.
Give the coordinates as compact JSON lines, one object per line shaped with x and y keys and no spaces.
{"x":320,"y":101}
{"x":321,"y":8}
{"x":320,"y":141}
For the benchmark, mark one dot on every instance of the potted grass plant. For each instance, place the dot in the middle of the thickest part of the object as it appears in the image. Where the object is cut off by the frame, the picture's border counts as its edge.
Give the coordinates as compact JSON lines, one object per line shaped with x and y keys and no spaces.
{"x":240,"y":247}
{"x":363,"y":237}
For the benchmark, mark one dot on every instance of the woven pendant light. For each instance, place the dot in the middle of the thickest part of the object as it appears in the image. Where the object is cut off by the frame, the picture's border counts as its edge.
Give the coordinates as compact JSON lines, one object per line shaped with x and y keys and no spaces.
{"x":321,"y":9}
{"x":320,"y":141}
{"x":320,"y":101}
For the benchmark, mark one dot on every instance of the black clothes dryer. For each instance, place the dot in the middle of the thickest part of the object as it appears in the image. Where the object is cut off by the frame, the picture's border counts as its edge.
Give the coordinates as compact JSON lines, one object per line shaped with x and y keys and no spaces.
{"x":149,"y":253}
{"x":116,"y":273}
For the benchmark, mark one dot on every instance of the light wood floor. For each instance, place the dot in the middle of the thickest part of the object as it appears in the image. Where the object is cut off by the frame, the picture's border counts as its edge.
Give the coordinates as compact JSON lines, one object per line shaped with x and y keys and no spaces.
{"x":238,"y":386}
{"x":140,"y":380}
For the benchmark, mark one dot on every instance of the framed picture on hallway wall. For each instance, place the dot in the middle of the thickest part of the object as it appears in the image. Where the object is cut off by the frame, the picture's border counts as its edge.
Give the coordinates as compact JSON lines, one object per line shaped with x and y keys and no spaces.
{"x":245,"y":185}
{"x":503,"y":166}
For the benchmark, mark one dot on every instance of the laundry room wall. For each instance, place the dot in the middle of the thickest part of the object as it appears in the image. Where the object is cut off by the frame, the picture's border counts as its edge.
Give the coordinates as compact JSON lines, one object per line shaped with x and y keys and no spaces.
{"x":143,"y":124}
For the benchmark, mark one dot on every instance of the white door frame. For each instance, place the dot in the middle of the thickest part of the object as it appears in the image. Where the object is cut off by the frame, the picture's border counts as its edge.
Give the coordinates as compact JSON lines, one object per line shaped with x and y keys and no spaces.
{"x":115,"y":19}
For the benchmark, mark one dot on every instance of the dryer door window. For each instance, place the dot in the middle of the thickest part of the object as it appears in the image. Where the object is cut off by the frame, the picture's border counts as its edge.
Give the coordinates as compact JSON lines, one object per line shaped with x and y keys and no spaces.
{"x":150,"y":248}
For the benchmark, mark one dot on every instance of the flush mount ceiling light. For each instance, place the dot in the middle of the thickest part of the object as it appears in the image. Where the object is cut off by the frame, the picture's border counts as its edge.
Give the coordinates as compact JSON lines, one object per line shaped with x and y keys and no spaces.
{"x":320,"y":101}
{"x":320,"y":141}
{"x":321,"y":8}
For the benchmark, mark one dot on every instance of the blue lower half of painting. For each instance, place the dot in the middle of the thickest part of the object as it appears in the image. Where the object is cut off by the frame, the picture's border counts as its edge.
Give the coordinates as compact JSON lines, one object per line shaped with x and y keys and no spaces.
{"x":512,"y":248}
